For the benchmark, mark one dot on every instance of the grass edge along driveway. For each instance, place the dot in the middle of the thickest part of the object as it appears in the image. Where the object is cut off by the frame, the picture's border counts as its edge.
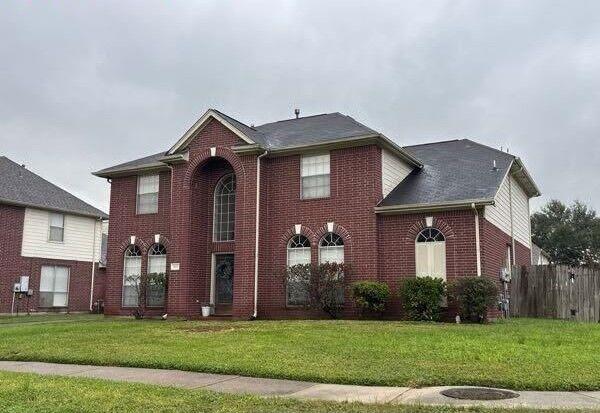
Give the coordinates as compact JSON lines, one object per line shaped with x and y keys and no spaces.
{"x":523,"y":354}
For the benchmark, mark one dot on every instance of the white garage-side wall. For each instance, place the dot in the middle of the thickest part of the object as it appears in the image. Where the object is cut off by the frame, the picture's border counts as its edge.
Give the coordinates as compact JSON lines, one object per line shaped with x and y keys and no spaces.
{"x":393,"y":171}
{"x":499,"y":214}
{"x":79,"y":234}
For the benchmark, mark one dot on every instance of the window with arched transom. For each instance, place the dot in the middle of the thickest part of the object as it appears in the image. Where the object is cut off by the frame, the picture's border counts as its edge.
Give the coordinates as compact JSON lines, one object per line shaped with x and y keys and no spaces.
{"x":298,"y":258}
{"x":132,"y":273}
{"x":224,"y":209}
{"x":157,"y":276}
{"x":430,"y":253}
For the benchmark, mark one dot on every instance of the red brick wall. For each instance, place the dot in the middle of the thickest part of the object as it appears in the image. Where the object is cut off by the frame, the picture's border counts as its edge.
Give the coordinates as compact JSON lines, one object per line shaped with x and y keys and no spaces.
{"x":355,"y":190}
{"x":397,"y":234}
{"x":125,"y":222}
{"x":12,"y":266}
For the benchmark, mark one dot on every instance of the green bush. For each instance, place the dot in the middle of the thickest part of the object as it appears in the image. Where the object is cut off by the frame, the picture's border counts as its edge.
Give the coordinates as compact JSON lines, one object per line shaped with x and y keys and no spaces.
{"x":422,"y":298}
{"x":370,"y":295}
{"x":474,"y":296}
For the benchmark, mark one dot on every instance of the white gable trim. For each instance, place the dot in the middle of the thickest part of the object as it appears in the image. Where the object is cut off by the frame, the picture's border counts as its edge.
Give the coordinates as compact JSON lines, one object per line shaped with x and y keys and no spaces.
{"x":200,"y":124}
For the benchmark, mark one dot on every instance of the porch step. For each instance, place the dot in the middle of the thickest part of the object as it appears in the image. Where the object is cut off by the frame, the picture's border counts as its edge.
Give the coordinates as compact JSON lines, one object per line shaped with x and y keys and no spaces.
{"x":221,"y":315}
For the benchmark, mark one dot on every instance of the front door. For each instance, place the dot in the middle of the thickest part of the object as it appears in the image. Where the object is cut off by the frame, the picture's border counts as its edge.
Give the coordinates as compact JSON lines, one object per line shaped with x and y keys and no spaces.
{"x":224,"y":282}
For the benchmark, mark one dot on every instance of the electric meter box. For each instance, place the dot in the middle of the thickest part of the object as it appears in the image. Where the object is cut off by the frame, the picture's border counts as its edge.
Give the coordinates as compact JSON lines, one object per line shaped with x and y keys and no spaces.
{"x":24,"y":283}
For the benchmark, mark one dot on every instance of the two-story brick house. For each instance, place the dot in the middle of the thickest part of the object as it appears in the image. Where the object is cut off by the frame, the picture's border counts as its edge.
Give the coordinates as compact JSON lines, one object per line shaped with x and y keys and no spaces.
{"x":50,"y":240}
{"x":229,"y":206}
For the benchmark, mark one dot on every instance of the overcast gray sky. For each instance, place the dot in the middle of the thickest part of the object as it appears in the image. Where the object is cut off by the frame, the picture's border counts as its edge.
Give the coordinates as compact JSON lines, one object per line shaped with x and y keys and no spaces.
{"x":87,"y":85}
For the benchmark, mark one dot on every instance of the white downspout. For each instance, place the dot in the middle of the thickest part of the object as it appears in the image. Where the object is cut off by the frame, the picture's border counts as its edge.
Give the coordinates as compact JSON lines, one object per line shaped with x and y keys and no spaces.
{"x":477,"y":243}
{"x":94,"y":265}
{"x":256,"y":234}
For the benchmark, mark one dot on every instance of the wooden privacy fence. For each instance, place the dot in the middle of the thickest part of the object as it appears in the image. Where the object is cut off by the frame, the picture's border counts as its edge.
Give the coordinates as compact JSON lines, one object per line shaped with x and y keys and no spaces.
{"x":549,"y":291}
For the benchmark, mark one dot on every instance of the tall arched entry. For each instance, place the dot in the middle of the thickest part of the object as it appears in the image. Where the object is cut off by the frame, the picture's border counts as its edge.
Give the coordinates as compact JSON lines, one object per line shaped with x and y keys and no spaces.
{"x":212,"y":233}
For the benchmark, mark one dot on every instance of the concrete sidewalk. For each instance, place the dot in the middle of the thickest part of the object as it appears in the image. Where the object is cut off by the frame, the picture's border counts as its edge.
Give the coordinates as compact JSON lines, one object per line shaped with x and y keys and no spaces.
{"x":302,"y":390}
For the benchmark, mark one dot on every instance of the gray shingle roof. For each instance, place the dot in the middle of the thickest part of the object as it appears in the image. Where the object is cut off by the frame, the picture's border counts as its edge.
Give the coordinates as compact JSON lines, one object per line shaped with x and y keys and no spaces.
{"x":283,"y":134}
{"x":311,"y":129}
{"x":458,"y":170}
{"x":19,"y":186}
{"x":145,"y":162}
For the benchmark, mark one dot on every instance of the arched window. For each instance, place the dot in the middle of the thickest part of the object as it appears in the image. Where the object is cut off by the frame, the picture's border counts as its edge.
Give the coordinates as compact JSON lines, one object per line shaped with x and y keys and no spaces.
{"x":430,"y":254}
{"x":132,"y":272}
{"x":157,"y":276}
{"x":224,"y":209}
{"x":298,"y":253}
{"x":331,"y":249}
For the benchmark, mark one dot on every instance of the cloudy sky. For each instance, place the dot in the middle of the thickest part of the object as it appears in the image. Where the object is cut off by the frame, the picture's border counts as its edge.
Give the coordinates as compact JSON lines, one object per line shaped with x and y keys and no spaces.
{"x":87,"y":85}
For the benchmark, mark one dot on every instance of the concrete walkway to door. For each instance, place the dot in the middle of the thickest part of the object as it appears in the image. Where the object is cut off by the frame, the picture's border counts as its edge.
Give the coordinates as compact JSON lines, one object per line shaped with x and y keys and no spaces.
{"x":302,"y":390}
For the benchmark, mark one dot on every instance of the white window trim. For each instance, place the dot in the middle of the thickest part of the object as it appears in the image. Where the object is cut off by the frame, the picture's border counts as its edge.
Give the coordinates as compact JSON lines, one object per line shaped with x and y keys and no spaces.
{"x":302,"y":157}
{"x":429,"y":255}
{"x":287,"y":262}
{"x":64,"y":219}
{"x":148,"y":261}
{"x":337,"y":247}
{"x":214,"y":223}
{"x":125,"y":257}
{"x":54,"y":284}
{"x":137,"y":194}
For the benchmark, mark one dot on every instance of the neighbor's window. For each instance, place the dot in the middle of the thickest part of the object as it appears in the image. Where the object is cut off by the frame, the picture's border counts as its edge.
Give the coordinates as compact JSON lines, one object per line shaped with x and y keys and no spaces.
{"x":157,"y":276}
{"x":430,"y":254}
{"x":132,"y":272}
{"x":56,"y":232}
{"x":147,"y":194}
{"x":298,"y":252}
{"x":314,"y":171}
{"x":224,"y":209}
{"x":54,"y":286}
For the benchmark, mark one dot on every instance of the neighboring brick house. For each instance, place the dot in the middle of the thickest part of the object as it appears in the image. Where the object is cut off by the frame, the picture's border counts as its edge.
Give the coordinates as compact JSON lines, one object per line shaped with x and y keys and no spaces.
{"x":52,"y":239}
{"x":329,"y":189}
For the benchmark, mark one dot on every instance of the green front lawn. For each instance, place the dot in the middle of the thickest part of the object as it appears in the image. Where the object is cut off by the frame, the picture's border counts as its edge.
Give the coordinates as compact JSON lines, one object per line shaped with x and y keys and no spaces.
{"x":519,"y":354}
{"x":32,"y":393}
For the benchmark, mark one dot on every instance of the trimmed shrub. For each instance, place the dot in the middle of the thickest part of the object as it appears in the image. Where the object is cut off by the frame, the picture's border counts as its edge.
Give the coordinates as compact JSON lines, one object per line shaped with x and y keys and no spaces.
{"x":318,"y":286}
{"x":370,"y":296}
{"x":422,"y":298}
{"x":474,"y":296}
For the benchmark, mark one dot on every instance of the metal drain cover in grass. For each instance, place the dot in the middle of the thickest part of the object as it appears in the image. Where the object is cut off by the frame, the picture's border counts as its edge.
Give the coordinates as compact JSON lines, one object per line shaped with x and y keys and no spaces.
{"x":479,"y":393}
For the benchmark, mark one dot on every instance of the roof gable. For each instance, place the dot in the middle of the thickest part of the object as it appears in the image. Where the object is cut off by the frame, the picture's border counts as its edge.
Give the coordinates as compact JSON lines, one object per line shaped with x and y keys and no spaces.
{"x":244,"y":132}
{"x":19,"y":186}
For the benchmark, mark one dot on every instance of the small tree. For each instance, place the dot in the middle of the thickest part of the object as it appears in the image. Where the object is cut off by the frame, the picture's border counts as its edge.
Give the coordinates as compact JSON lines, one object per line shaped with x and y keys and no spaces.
{"x":148,"y":288}
{"x":317,"y":286}
{"x":371,"y":296}
{"x":422,"y":298}
{"x":475,"y":296}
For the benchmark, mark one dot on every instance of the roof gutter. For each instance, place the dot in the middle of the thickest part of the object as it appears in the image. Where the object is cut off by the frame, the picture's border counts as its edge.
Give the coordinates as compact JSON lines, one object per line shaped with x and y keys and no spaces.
{"x":408,"y":208}
{"x":522,"y":170}
{"x":156,"y":166}
{"x":372,"y":138}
